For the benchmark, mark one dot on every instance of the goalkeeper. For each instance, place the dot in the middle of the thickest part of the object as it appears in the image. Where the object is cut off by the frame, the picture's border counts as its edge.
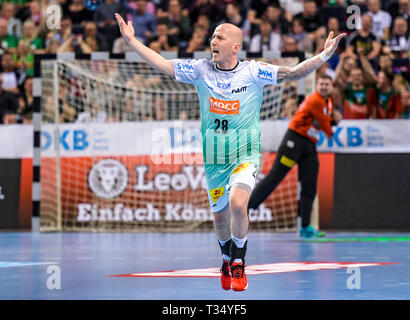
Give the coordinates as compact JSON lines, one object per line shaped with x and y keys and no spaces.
{"x":299,"y":146}
{"x":230,"y":96}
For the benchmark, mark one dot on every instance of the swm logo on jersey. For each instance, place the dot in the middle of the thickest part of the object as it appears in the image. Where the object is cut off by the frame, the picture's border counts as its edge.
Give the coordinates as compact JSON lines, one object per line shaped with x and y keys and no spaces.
{"x":108,"y":178}
{"x":185,"y":67}
{"x":265,"y":74}
{"x":223,"y":106}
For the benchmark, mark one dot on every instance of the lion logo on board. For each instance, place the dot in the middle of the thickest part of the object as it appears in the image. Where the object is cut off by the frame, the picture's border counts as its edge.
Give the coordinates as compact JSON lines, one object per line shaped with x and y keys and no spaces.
{"x":108,"y":178}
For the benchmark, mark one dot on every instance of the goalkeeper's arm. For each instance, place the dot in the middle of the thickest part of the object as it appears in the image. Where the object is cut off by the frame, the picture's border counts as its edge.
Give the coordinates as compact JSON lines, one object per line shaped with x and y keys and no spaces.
{"x":150,"y":56}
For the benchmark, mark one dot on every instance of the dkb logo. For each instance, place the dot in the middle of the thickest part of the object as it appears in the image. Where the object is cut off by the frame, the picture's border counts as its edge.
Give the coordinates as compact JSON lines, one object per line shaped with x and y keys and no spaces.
{"x":353,"y":138}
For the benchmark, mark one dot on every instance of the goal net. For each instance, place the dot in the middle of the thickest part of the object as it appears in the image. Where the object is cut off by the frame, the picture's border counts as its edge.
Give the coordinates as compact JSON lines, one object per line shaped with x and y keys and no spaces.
{"x":101,"y":121}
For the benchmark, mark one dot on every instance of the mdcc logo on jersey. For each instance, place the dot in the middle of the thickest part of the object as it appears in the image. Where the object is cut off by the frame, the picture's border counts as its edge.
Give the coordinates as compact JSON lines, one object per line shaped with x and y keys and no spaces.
{"x":224,"y":106}
{"x":108,"y":178}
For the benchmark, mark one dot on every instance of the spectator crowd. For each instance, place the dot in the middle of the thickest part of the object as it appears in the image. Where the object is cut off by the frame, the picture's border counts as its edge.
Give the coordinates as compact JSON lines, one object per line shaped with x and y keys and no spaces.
{"x":370,"y":69}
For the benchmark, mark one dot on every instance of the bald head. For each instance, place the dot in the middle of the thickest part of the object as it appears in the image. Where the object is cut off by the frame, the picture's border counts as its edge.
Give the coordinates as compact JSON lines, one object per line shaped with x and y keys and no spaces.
{"x":225,"y":45}
{"x":231,"y":31}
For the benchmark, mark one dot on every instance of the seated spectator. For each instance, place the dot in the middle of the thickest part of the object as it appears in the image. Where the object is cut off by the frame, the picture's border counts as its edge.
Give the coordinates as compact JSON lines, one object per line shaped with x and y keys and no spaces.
{"x":364,"y":38}
{"x":7,"y":42}
{"x":381,"y":19}
{"x":105,"y":20}
{"x":343,"y":72}
{"x":405,"y":102}
{"x":24,"y":58}
{"x":291,"y":7}
{"x":313,"y":22}
{"x":26,"y":99}
{"x":303,"y":41}
{"x":103,"y":16}
{"x":203,"y":26}
{"x":120,"y":45}
{"x":13,"y":24}
{"x":12,"y":78}
{"x":277,"y":19}
{"x":162,"y":6}
{"x":30,"y":32}
{"x":385,"y":100}
{"x":266,"y":39}
{"x":91,"y":36}
{"x":385,"y":63}
{"x":255,"y":13}
{"x":398,"y":44}
{"x":196,"y":43}
{"x":62,"y":34}
{"x":8,"y":105}
{"x":77,"y":12}
{"x":400,"y":9}
{"x":289,"y":48}
{"x":35,"y":12}
{"x":357,"y":97}
{"x":233,"y":15}
{"x":334,"y":25}
{"x":163,"y":39}
{"x":178,"y":20}
{"x":210,"y":8}
{"x":76,"y":44}
{"x":144,"y":23}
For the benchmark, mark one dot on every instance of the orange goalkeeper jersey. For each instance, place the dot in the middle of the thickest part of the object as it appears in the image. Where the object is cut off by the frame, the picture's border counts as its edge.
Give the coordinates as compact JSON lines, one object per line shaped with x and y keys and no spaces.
{"x":313,"y":115}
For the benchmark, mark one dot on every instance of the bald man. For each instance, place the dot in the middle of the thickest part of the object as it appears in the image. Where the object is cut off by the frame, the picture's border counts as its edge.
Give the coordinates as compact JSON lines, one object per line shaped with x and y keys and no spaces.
{"x":230,"y":96}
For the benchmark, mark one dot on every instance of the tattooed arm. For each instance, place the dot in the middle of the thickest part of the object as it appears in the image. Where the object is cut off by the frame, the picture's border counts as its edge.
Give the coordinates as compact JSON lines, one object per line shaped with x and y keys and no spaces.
{"x":302,"y":69}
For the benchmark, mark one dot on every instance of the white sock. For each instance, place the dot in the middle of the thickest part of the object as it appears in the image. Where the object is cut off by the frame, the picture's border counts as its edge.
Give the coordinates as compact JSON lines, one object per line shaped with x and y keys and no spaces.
{"x":239,"y":242}
{"x":222,"y":242}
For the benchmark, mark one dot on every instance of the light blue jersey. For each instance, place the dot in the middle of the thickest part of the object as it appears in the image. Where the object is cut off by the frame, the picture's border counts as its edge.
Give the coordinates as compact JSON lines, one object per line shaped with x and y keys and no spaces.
{"x":230,"y":103}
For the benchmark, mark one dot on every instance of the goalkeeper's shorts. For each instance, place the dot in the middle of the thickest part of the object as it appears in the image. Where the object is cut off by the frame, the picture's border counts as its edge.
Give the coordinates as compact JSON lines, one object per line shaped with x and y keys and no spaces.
{"x":221,"y":178}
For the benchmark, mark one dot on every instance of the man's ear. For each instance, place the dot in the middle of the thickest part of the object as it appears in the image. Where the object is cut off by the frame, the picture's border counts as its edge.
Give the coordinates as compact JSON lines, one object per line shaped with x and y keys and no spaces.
{"x":237,"y":47}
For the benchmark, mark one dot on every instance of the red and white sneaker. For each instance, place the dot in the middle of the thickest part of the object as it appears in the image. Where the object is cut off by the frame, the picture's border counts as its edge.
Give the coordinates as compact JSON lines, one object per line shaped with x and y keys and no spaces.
{"x":239,"y":281}
{"x":225,"y":276}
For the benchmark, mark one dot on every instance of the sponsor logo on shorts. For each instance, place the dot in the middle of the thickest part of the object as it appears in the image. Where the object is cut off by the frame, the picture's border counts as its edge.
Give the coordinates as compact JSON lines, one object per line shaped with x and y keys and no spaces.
{"x":217,"y":193}
{"x":224,"y":106}
{"x":108,"y":178}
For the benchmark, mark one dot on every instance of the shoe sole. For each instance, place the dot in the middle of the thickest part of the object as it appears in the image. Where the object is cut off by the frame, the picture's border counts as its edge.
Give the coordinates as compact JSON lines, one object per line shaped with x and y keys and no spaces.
{"x":236,"y":289}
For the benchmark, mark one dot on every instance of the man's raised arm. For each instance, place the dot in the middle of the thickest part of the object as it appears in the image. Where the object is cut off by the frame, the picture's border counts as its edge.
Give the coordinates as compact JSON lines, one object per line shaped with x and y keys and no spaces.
{"x":302,"y":69}
{"x":150,"y":56}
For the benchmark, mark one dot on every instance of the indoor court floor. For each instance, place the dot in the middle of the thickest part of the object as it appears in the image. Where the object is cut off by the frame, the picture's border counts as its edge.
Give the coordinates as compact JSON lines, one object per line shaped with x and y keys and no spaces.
{"x":184,"y":266}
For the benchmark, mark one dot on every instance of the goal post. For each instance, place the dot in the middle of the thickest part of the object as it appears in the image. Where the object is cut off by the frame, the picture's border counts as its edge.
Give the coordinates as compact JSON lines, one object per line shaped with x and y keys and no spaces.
{"x":100,"y":122}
